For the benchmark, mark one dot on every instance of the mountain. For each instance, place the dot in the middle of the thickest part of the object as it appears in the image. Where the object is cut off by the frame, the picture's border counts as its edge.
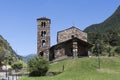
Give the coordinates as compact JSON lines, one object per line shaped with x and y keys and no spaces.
{"x":106,"y":34}
{"x":113,"y":22}
{"x":28,"y":57}
{"x":6,"y":51}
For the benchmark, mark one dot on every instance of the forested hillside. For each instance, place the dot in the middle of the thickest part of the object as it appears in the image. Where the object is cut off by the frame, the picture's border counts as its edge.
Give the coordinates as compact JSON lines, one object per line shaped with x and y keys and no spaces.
{"x":6,"y":52}
{"x":113,"y":22}
{"x":106,"y":35}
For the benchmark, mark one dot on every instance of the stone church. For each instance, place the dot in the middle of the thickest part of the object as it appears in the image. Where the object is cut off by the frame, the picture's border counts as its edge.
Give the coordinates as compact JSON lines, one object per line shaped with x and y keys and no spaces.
{"x":71,"y":42}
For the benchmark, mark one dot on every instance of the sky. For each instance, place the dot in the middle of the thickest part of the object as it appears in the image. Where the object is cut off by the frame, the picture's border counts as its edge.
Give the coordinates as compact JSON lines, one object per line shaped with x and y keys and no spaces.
{"x":18,"y":23}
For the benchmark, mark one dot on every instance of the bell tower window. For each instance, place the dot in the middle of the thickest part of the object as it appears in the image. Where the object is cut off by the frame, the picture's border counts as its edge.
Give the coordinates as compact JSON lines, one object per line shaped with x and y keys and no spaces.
{"x":43,"y":33}
{"x":43,"y":24}
{"x":43,"y":43}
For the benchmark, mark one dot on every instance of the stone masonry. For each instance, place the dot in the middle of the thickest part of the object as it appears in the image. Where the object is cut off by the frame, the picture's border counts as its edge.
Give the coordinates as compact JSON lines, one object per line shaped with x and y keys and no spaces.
{"x":43,"y":36}
{"x":71,"y":42}
{"x":71,"y":33}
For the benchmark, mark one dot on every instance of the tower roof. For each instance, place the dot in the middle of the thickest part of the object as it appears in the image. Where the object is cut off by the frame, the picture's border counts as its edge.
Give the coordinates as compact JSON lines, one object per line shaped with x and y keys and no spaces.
{"x":43,"y":18}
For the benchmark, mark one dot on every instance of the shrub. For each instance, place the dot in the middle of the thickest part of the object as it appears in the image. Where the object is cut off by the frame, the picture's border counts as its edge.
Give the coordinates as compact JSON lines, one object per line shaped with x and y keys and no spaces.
{"x":17,"y":65}
{"x":38,"y":66}
{"x":117,"y":50}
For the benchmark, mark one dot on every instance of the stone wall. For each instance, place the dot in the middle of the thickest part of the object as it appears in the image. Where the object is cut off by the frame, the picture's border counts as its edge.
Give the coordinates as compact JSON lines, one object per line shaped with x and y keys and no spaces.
{"x":43,"y":35}
{"x":70,"y":33}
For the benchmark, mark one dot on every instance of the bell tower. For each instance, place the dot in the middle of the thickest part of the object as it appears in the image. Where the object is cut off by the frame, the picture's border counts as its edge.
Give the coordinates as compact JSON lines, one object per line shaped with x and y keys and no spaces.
{"x":43,"y":36}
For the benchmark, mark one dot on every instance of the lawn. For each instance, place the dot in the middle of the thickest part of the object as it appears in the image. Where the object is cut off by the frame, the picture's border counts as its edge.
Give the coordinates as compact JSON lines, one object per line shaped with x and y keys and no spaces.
{"x":84,"y":69}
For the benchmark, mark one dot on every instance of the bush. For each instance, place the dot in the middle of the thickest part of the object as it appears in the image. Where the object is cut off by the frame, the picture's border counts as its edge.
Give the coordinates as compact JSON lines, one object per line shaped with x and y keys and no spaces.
{"x":117,"y":50}
{"x":38,"y":66}
{"x":17,"y":65}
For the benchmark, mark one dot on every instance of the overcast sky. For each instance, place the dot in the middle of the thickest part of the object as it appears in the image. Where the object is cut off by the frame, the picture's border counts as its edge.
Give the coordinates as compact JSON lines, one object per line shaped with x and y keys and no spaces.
{"x":18,"y":18}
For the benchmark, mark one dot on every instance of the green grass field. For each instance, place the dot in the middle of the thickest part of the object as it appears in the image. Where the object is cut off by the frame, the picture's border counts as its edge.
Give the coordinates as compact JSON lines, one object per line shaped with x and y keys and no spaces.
{"x":84,"y":69}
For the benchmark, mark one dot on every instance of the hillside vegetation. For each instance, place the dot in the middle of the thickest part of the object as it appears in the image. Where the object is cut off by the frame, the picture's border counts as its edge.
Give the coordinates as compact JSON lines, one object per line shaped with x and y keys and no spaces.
{"x":113,"y":22}
{"x":6,"y":52}
{"x":106,"y":34}
{"x":84,"y":69}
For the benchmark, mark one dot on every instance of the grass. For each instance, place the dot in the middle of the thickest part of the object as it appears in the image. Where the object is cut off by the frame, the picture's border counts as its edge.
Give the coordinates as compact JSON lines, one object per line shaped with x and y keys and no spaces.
{"x":84,"y":69}
{"x":1,"y":76}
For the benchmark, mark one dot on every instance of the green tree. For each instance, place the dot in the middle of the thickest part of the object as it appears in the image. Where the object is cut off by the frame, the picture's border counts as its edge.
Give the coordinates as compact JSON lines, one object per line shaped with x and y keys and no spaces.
{"x":38,"y":66}
{"x":98,"y":47}
{"x":17,"y":65}
{"x":1,"y":58}
{"x":111,"y":39}
{"x":117,"y":50}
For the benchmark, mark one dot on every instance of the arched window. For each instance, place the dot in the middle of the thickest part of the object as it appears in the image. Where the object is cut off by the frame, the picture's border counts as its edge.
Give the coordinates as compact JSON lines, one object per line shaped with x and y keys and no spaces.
{"x":43,"y":43}
{"x":43,"y":24}
{"x":43,"y":33}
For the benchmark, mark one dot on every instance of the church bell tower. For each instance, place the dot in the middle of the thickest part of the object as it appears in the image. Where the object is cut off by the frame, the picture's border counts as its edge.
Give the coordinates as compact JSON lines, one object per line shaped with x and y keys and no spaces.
{"x":43,"y":36}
